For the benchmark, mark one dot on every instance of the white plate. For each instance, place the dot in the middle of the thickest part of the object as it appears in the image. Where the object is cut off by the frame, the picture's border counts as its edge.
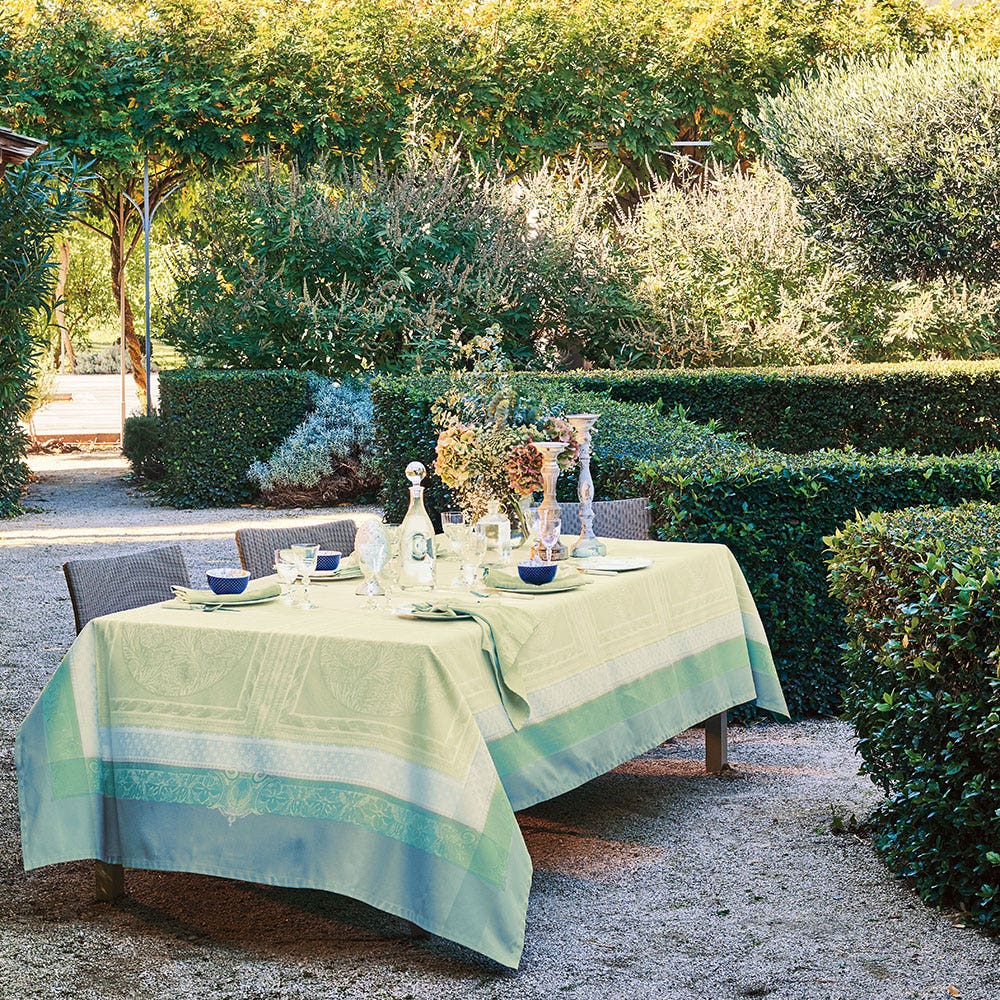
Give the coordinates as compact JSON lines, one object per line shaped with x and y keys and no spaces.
{"x":610,"y":564}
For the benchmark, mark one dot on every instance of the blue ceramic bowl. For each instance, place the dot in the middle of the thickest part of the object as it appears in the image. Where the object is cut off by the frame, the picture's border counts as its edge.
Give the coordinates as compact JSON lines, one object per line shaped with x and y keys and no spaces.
{"x":327,"y":559}
{"x":228,"y":581}
{"x":537,"y":573}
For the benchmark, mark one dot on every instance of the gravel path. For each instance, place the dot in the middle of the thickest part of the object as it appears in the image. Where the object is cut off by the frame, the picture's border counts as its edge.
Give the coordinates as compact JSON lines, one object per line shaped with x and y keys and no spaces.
{"x":654,"y":882}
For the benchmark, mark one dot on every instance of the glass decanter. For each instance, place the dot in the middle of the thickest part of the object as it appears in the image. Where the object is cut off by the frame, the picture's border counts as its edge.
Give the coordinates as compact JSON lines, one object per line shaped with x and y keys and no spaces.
{"x":416,"y":544}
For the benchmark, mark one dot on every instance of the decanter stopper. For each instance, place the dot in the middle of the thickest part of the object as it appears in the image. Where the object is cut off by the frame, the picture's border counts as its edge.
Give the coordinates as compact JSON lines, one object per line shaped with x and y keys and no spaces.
{"x":416,"y":473}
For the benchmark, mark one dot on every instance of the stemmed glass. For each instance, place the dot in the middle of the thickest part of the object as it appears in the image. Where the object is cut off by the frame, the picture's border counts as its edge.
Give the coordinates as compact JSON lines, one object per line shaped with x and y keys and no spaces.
{"x":473,"y":550}
{"x":372,"y":548}
{"x":305,"y":561}
{"x":549,"y":529}
{"x":454,"y":526}
{"x":287,"y":571}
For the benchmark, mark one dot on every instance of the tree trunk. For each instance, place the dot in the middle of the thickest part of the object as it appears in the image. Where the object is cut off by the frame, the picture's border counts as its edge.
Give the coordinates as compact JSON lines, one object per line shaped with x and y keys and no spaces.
{"x":136,"y":352}
{"x":65,"y":357}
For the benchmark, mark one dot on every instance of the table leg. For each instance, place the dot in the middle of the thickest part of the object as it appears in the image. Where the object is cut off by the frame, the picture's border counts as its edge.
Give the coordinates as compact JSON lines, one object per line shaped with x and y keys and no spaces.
{"x":716,"y":744}
{"x":110,"y":881}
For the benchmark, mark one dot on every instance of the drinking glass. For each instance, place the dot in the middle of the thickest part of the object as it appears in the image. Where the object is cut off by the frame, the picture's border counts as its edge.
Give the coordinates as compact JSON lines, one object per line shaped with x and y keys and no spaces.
{"x":390,"y":572}
{"x":287,"y":572}
{"x":455,"y":528}
{"x":372,"y":548}
{"x":305,"y":560}
{"x":473,"y":550}
{"x":549,"y":529}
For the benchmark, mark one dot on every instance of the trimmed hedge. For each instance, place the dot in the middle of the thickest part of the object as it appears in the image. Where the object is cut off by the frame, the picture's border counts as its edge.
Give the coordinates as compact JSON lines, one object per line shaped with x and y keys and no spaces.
{"x":932,"y":408}
{"x":215,"y":424}
{"x":922,"y":593}
{"x":626,"y":434}
{"x":773,"y":510}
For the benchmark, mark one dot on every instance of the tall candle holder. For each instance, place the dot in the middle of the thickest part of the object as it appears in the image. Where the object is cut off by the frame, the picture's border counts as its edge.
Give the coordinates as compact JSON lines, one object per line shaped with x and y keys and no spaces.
{"x":550,"y":452}
{"x":587,"y":544}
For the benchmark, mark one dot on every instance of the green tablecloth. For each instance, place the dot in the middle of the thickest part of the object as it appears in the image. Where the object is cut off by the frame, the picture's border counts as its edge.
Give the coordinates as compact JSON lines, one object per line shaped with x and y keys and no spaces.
{"x":369,"y":755}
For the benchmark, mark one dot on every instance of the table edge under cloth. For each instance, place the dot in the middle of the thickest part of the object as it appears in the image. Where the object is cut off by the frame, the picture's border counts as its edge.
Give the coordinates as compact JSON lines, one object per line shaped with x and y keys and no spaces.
{"x":548,"y":756}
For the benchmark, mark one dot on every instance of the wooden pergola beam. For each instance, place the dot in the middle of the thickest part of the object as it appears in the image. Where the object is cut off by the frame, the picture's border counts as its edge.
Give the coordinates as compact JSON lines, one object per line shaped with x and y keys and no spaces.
{"x":16,"y":148}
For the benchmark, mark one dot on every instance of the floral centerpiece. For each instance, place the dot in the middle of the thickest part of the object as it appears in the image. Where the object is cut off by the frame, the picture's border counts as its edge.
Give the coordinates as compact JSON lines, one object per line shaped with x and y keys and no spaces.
{"x":484,"y":447}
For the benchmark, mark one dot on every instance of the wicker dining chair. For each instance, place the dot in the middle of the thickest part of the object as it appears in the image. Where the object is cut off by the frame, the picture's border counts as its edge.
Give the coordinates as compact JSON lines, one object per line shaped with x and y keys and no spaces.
{"x":256,"y":545}
{"x":119,"y":583}
{"x":612,"y":518}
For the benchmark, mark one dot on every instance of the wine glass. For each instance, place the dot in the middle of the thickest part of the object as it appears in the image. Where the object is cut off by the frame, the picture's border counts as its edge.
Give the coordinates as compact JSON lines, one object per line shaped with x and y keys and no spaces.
{"x":473,"y":550}
{"x":287,"y":571}
{"x":372,"y":548}
{"x":549,"y":529}
{"x":305,"y":561}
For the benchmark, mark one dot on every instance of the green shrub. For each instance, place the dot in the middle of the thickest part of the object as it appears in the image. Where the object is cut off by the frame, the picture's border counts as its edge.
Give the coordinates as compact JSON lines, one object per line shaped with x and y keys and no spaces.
{"x":36,"y":201}
{"x":626,"y":433}
{"x":216,"y":424}
{"x":895,"y":161}
{"x":922,"y":595}
{"x":143,"y":446}
{"x":773,"y":510}
{"x":724,"y":273}
{"x":924,"y":408}
{"x":341,"y":270}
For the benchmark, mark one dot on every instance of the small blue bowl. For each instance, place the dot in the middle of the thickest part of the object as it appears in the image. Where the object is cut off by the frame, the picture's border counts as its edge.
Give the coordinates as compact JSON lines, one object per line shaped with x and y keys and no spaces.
{"x":328,"y":559}
{"x":228,"y":581}
{"x":537,"y":573}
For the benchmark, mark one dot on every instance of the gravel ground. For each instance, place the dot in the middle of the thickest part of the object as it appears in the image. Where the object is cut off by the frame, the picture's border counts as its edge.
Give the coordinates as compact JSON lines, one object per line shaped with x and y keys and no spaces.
{"x":653,"y":882}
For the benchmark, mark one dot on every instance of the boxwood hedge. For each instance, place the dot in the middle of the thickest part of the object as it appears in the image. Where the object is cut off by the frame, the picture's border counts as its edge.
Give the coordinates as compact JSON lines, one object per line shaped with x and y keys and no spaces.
{"x":932,"y":408}
{"x":773,"y":511}
{"x":214,"y":424}
{"x":922,"y":595}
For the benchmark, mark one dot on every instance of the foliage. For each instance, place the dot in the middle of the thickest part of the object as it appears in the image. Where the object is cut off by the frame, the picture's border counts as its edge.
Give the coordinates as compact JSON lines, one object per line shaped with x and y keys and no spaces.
{"x":773,"y":510}
{"x":334,"y":441}
{"x":922,"y":595}
{"x":928,"y":408}
{"x":895,"y":161}
{"x":143,"y":446}
{"x":728,"y":276}
{"x":216,"y":424}
{"x":360,"y":269}
{"x":36,"y":200}
{"x":723,"y":273}
{"x":405,"y":431}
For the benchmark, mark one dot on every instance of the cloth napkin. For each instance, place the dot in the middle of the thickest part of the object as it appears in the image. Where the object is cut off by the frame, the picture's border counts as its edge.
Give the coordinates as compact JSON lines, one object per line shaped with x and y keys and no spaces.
{"x":566,"y":576}
{"x":504,"y":630}
{"x":254,"y":591}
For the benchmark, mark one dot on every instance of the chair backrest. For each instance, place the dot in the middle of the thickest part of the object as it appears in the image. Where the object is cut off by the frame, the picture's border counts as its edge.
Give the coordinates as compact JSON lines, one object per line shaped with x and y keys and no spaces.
{"x":119,"y":583}
{"x":612,"y":518}
{"x":256,"y":545}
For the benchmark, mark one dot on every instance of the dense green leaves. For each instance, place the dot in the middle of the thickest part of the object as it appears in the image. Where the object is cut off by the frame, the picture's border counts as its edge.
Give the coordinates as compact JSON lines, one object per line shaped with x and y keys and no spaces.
{"x":922,"y":595}
{"x":214,"y":425}
{"x":896,"y":161}
{"x":928,"y":408}
{"x":36,"y":200}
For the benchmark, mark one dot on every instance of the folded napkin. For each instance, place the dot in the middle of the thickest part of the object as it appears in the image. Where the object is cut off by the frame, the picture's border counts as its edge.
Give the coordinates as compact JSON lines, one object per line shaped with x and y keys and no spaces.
{"x":566,"y":576}
{"x":254,"y":591}
{"x":505,"y":630}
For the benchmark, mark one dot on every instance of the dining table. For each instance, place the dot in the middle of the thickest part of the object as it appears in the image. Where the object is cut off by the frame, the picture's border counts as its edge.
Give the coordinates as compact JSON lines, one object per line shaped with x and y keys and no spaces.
{"x":375,"y":754}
